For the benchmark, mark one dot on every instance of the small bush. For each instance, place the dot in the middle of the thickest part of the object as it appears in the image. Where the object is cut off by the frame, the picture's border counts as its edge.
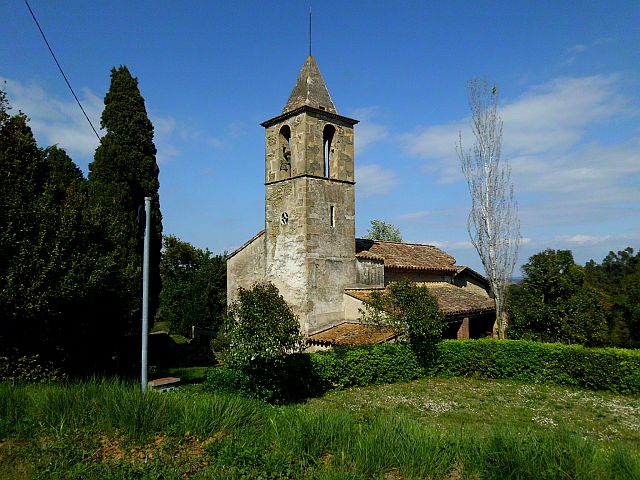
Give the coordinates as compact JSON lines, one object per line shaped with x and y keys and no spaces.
{"x":224,"y":379}
{"x":260,"y":326}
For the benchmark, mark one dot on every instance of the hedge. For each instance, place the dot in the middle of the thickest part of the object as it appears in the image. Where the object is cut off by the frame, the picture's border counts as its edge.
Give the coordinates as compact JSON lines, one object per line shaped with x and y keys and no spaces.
{"x":310,"y":374}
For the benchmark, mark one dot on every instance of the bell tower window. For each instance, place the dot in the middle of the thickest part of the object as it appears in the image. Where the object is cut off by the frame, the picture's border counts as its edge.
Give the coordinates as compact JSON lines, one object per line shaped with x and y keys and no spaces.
{"x":284,"y":146}
{"x":327,"y":139}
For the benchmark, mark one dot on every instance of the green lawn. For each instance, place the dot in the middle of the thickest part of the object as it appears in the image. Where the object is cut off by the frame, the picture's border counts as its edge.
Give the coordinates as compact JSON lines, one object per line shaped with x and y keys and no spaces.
{"x":185,"y":374}
{"x":482,"y":405}
{"x":431,"y":428}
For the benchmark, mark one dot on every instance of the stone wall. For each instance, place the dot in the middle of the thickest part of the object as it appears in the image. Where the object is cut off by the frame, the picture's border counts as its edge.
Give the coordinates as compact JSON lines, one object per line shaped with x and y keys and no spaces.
{"x":352,"y":308}
{"x":302,"y":153}
{"x":246,"y":267}
{"x":310,"y":251}
{"x":286,"y":242}
{"x":311,"y":258}
{"x":472,"y":284}
{"x":369,"y":273}
{"x":330,"y":244}
{"x":418,"y":276}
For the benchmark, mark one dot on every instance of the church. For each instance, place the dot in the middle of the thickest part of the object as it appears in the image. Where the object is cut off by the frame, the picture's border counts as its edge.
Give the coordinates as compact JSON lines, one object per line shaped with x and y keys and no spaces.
{"x":308,"y":248}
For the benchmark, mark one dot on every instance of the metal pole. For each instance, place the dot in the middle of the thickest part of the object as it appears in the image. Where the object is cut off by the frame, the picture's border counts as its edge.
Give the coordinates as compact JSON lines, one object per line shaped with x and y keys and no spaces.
{"x":145,"y":289}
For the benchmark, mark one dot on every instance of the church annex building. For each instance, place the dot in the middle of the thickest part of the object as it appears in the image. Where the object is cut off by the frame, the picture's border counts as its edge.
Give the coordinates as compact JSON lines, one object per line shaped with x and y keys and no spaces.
{"x":308,"y":248}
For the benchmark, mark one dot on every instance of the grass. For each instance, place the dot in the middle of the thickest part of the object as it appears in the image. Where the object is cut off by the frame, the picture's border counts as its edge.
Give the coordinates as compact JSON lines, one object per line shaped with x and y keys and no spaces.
{"x":432,"y":428}
{"x":481,"y":406}
{"x":186,"y":375}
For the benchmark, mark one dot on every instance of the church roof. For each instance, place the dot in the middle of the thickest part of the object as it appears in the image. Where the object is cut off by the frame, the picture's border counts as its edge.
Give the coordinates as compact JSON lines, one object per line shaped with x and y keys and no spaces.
{"x":247,"y":243}
{"x":464,"y":270}
{"x":452,"y":300}
{"x":351,"y":333}
{"x":414,"y":256}
{"x":310,"y":90}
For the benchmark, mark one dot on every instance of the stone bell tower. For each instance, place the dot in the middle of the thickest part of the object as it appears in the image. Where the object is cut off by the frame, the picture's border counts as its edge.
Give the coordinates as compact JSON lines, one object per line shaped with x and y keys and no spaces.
{"x":310,"y":202}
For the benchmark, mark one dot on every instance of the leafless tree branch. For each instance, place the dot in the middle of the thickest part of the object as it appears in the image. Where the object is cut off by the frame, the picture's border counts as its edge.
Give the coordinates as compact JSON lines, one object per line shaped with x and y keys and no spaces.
{"x":493,"y":223}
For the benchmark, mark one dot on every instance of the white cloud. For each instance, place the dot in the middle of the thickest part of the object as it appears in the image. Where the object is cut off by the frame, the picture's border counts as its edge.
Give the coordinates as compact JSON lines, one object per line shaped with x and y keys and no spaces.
{"x":554,"y":116}
{"x":574,"y":51}
{"x":462,"y":245}
{"x":165,"y":131}
{"x":61,"y":122}
{"x":415,"y":215}
{"x":579,"y":48}
{"x":437,"y":142}
{"x":166,"y":152}
{"x":215,"y":142}
{"x":368,"y":131}
{"x":544,"y":132}
{"x":437,"y":244}
{"x":374,"y":180}
{"x":163,"y":126}
{"x":56,"y":121}
{"x":581,"y":240}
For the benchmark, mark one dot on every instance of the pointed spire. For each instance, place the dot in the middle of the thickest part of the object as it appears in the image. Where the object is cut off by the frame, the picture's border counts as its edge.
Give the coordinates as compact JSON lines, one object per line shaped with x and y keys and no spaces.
{"x":310,"y":90}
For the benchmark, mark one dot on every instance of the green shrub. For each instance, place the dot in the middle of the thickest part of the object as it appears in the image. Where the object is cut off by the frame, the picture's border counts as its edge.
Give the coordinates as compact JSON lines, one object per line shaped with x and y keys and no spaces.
{"x":408,"y":308}
{"x":29,"y":369}
{"x":306,"y":375}
{"x":260,"y":327}
{"x":224,"y":379}
{"x":611,"y":369}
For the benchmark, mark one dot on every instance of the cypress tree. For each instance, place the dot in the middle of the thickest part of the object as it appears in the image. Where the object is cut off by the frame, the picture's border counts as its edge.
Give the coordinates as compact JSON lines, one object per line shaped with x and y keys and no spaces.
{"x":123,"y":172}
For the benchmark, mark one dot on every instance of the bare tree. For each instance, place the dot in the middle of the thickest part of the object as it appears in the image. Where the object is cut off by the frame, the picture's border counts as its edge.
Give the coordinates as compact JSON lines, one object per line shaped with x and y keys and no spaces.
{"x":493,"y":224}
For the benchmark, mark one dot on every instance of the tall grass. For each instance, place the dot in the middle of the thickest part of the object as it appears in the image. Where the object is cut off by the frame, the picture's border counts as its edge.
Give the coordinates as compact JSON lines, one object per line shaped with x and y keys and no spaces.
{"x":64,"y":429}
{"x":110,"y":405}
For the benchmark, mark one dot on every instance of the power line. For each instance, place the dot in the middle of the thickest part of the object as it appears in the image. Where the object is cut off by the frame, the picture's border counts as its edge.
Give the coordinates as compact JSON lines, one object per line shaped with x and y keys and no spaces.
{"x":61,"y":71}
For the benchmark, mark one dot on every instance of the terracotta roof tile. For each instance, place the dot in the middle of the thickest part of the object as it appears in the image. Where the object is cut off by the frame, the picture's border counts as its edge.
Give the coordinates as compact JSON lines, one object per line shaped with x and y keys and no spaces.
{"x":406,"y":255}
{"x":460,"y":269}
{"x":351,"y":333}
{"x":452,"y":300}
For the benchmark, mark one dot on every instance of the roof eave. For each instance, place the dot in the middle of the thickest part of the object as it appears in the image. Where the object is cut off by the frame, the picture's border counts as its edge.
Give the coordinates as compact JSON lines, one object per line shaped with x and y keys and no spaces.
{"x":309,"y":109}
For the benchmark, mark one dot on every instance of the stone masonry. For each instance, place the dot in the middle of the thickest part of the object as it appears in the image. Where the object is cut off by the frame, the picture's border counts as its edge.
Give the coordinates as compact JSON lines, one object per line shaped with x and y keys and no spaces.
{"x":309,"y":242}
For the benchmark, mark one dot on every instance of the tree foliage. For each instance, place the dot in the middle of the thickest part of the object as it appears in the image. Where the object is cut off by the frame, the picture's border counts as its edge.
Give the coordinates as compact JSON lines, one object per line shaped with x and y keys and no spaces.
{"x":493,"y":224}
{"x":70,"y":249}
{"x":409,"y":309}
{"x":383,"y":231}
{"x":555,"y":304}
{"x":123,"y":172}
{"x":194,"y":284}
{"x":260,"y":327}
{"x":49,"y":268}
{"x":618,"y":276}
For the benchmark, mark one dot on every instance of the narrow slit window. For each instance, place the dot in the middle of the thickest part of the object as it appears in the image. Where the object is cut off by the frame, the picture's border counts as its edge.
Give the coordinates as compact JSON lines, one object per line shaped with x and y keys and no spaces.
{"x":332,"y":216}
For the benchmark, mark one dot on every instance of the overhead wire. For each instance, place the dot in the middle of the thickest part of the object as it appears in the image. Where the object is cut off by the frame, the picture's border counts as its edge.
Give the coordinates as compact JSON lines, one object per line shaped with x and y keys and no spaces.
{"x":61,"y":71}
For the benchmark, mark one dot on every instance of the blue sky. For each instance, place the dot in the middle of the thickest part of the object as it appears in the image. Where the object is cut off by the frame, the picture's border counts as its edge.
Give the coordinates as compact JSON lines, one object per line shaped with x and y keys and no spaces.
{"x":210,"y":72}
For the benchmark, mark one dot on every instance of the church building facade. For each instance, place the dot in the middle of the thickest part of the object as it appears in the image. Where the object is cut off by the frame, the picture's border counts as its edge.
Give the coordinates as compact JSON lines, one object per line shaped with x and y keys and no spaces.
{"x":308,"y":248}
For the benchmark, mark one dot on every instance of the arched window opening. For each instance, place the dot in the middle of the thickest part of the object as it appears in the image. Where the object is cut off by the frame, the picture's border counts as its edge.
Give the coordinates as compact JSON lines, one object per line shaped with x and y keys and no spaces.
{"x":327,"y":140}
{"x":284,"y":145}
